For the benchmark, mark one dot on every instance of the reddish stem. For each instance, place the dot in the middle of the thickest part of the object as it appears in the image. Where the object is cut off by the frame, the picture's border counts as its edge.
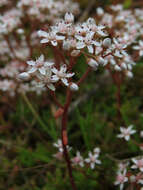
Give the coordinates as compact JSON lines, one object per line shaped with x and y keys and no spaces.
{"x":55,"y":99}
{"x":84,"y":76}
{"x":65,"y":138}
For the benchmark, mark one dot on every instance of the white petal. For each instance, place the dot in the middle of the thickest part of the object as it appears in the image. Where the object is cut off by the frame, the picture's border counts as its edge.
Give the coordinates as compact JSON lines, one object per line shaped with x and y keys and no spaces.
{"x":54,"y":78}
{"x":112,"y":61}
{"x":134,"y":167}
{"x":134,"y":160}
{"x":32,"y":70}
{"x":51,"y":87}
{"x":127,"y":137}
{"x":48,"y":64}
{"x":54,"y":70}
{"x":41,"y":58}
{"x":60,"y":37}
{"x":42,"y":70}
{"x":65,"y":81}
{"x":81,"y":164}
{"x":136,"y":47}
{"x":141,"y":42}
{"x":141,"y":53}
{"x":120,"y":136}
{"x":63,"y":68}
{"x":98,"y":161}
{"x":42,"y":33}
{"x":92,"y":165}
{"x":121,"y":186}
{"x":44,"y":41}
{"x":96,"y":43}
{"x":80,"y":38}
{"x":87,"y":160}
{"x":90,"y":49}
{"x":24,"y":75}
{"x":32,"y":63}
{"x":101,"y":33}
{"x":54,"y":43}
{"x":133,"y":131}
{"x":80,"y":45}
{"x":69,"y":75}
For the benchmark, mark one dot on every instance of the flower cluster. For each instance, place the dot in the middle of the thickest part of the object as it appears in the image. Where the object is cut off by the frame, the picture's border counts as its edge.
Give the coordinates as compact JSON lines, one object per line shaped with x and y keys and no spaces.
{"x":17,"y":45}
{"x":78,"y":160}
{"x":130,"y":172}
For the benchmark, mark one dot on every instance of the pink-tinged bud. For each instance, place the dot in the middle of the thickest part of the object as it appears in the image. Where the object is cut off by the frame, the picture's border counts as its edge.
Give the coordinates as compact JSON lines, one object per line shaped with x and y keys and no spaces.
{"x":92,"y":63}
{"x":69,"y":17}
{"x":74,"y":87}
{"x":75,"y":53}
{"x":107,"y":42}
{"x":117,"y":68}
{"x":99,"y":11}
{"x":20,"y":31}
{"x":24,"y":76}
{"x":129,"y":74}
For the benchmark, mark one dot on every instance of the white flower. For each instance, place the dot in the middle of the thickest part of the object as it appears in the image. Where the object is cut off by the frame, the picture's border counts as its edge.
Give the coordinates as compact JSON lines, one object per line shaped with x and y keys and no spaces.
{"x":92,"y":159}
{"x":137,"y":164}
{"x":121,"y":179}
{"x":39,"y":65}
{"x":86,"y":41}
{"x":139,"y":47}
{"x":50,"y":37}
{"x":126,"y":132}
{"x":47,"y":79}
{"x":78,"y":160}
{"x":62,"y":75}
{"x":59,"y":145}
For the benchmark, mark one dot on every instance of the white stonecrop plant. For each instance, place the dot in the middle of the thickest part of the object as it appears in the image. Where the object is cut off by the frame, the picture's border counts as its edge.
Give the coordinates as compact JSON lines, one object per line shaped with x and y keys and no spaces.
{"x":104,"y":41}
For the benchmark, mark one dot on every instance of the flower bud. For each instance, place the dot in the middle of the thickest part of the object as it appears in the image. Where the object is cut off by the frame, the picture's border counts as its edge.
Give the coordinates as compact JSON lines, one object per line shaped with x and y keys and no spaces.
{"x":75,"y":53}
{"x":20,"y":31}
{"x":92,"y":63}
{"x":24,"y":76}
{"x":69,"y":17}
{"x":124,"y":66}
{"x":74,"y":86}
{"x":107,"y":42}
{"x":99,"y":11}
{"x":117,"y":68}
{"x":129,"y":74}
